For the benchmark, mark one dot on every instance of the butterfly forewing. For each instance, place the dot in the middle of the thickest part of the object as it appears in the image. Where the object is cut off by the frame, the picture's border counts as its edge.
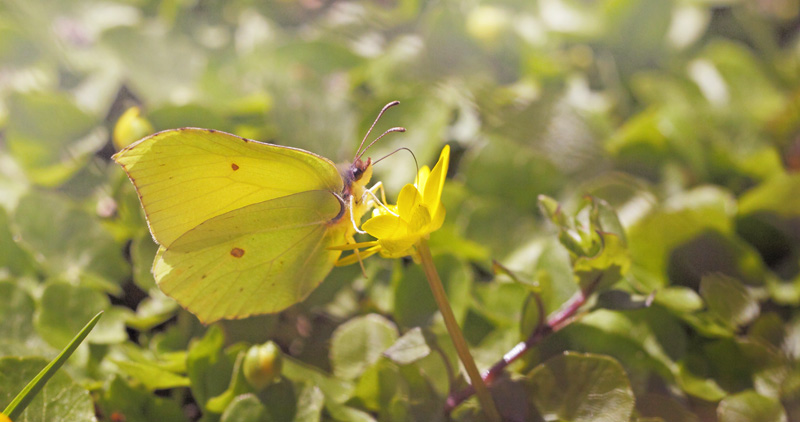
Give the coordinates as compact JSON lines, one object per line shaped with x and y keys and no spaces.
{"x":187,"y":176}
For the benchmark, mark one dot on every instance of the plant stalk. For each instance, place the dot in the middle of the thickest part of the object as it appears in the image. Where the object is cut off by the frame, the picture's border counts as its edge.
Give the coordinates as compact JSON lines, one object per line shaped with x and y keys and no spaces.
{"x":455,"y":332}
{"x":555,"y":322}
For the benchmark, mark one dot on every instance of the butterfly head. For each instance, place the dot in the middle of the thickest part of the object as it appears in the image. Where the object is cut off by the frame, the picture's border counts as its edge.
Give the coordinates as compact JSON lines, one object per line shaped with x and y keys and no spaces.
{"x":356,"y":176}
{"x":361,"y":169}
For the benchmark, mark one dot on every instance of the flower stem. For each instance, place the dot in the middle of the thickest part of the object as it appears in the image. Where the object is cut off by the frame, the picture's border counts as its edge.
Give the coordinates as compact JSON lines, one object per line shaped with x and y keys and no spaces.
{"x":455,"y":332}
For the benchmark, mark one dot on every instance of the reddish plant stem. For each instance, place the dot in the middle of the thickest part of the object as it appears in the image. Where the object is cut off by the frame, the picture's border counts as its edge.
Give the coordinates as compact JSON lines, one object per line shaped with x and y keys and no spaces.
{"x":558,"y":320}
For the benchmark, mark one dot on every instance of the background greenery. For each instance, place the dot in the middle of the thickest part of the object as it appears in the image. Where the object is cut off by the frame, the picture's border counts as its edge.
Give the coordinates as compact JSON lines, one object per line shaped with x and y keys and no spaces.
{"x":682,"y":115}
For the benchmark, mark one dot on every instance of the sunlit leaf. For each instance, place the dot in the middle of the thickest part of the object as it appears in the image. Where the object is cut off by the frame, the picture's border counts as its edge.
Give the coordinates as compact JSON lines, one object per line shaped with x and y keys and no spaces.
{"x":749,"y":406}
{"x":729,"y":299}
{"x":61,"y":399}
{"x":50,"y":136}
{"x":137,"y":405}
{"x":360,"y":342}
{"x":410,"y":347}
{"x":71,"y":242}
{"x":581,"y":387}
{"x":64,"y":310}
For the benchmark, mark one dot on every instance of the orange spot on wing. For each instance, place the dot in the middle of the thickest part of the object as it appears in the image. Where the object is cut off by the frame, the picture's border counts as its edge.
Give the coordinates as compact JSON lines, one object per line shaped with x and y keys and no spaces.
{"x":234,"y":166}
{"x":237,"y":252}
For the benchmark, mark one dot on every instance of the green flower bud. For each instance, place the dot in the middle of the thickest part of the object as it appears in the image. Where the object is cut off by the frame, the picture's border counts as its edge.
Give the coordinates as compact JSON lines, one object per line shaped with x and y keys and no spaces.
{"x":262,"y":365}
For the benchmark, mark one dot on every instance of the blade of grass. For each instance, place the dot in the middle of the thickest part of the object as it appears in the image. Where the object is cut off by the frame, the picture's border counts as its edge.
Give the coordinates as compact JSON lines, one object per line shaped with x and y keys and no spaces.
{"x":23,"y":399}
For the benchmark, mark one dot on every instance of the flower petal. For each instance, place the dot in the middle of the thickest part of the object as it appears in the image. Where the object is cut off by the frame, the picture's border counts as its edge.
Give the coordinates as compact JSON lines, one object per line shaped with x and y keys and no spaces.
{"x":420,"y":219}
{"x":422,"y":178}
{"x":398,"y":247}
{"x":384,"y":226}
{"x":438,"y":219}
{"x":432,"y":192}
{"x":407,"y":200}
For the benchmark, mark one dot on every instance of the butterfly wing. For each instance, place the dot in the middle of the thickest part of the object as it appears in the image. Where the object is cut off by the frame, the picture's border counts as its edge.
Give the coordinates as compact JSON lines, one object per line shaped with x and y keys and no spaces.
{"x":187,"y":176}
{"x":258,"y":259}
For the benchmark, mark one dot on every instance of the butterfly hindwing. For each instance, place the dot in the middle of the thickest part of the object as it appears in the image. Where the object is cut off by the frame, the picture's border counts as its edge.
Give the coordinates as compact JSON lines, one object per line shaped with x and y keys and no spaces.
{"x":267,"y":256}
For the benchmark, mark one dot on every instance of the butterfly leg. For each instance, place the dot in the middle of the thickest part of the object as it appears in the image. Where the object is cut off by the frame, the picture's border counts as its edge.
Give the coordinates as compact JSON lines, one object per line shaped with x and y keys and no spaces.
{"x":380,"y":202}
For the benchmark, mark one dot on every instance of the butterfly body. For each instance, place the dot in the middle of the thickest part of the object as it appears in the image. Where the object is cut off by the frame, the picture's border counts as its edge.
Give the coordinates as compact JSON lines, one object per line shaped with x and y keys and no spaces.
{"x":243,"y":226}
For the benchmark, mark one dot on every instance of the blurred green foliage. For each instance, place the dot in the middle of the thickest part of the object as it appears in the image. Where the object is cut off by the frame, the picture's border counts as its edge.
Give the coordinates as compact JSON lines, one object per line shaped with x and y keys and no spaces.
{"x":681,"y":116}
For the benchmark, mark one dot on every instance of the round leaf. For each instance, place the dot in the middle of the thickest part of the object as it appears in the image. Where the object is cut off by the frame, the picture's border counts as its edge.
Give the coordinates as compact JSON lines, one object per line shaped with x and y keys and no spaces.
{"x":750,"y":406}
{"x":581,"y":388}
{"x":358,"y":343}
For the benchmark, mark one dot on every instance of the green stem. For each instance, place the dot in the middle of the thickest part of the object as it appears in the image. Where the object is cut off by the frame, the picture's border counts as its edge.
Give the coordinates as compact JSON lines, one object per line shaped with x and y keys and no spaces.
{"x":455,"y":332}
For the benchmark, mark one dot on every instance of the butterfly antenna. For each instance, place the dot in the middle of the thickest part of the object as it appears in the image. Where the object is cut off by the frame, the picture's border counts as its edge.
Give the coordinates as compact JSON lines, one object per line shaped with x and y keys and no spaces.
{"x":359,"y":153}
{"x":394,"y":129}
{"x":416,"y":164}
{"x":396,"y":151}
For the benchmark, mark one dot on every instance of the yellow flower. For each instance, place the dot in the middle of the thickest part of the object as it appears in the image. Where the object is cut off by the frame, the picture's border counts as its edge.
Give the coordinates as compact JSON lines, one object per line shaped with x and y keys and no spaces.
{"x":418,"y":213}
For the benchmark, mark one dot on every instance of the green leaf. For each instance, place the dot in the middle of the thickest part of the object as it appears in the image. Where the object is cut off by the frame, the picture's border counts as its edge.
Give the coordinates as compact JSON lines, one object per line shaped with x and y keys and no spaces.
{"x":208,"y":367}
{"x":71,"y":241}
{"x":685,"y":217}
{"x":13,"y":258}
{"x":729,"y":299}
{"x":750,"y":406}
{"x":664,"y":407}
{"x":17,"y":45}
{"x":152,"y":377}
{"x":532,"y":316}
{"x":136,"y":405}
{"x":751,"y":89}
{"x":607,"y":267}
{"x":143,"y":249}
{"x":646,"y":340}
{"x":776,"y":195}
{"x":344,"y":413}
{"x":37,"y":384}
{"x":500,"y":303}
{"x":61,"y":399}
{"x":323,"y":56}
{"x":378,"y":385}
{"x":679,"y":299}
{"x":247,"y":408}
{"x":413,"y":301}
{"x":310,"y":402}
{"x":17,"y":336}
{"x":50,"y":136}
{"x":639,"y":136}
{"x":697,"y":384}
{"x":595,"y":240}
{"x":64,"y":307}
{"x":335,"y":389}
{"x":152,"y":311}
{"x":190,"y":115}
{"x":360,"y":342}
{"x":409,"y":348}
{"x":581,"y":387}
{"x":622,"y":300}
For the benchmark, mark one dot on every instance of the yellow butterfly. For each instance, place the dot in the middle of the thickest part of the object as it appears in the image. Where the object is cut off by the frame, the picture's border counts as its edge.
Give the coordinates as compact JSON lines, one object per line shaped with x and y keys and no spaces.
{"x":243,"y":226}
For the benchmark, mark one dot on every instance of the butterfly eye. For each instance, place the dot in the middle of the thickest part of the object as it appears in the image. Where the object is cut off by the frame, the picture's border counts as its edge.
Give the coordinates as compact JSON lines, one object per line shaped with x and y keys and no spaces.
{"x":358,"y":168}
